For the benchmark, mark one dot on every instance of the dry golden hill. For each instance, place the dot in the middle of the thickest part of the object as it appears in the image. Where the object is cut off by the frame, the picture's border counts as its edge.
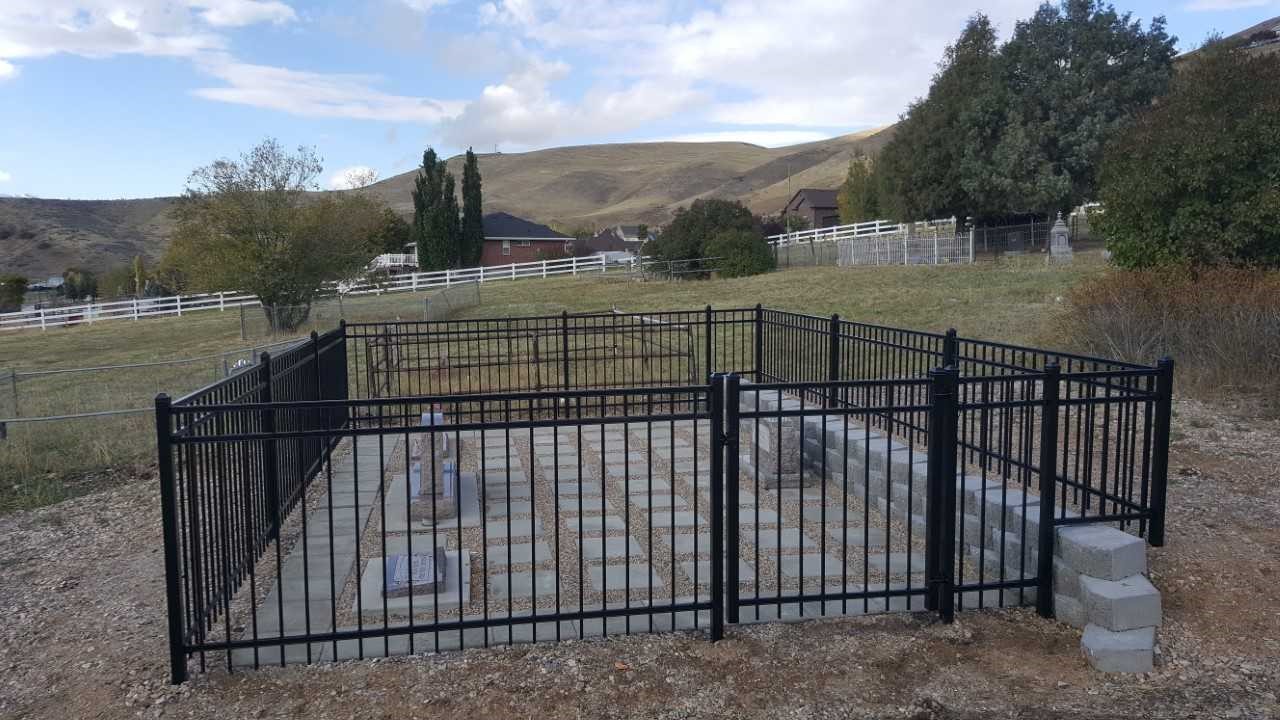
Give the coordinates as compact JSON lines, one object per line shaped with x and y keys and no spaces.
{"x":594,"y":185}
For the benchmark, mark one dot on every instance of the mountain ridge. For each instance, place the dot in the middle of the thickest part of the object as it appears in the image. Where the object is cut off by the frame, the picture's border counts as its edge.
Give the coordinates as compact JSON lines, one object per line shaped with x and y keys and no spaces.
{"x":571,"y":186}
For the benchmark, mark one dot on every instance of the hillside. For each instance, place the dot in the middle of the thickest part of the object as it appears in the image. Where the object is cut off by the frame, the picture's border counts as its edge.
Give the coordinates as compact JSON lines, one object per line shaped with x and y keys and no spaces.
{"x":595,"y":185}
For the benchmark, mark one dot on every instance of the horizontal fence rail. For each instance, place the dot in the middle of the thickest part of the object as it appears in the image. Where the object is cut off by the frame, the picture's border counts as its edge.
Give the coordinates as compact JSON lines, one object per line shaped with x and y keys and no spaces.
{"x":393,"y":487}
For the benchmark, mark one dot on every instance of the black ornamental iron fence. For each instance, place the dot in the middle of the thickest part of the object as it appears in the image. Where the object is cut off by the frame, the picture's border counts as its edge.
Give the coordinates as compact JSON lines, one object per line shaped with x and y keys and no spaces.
{"x":391,"y":488}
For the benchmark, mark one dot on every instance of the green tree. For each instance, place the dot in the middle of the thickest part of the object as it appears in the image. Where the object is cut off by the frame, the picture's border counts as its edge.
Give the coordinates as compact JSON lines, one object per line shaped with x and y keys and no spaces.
{"x":394,"y":232}
{"x":78,"y":284}
{"x":13,"y":288}
{"x":249,"y":225}
{"x":686,"y":236}
{"x":858,"y":198}
{"x":451,"y":223}
{"x":472,"y":211}
{"x":741,"y":252}
{"x":1196,"y":180}
{"x":1020,"y":128}
{"x":432,"y":250}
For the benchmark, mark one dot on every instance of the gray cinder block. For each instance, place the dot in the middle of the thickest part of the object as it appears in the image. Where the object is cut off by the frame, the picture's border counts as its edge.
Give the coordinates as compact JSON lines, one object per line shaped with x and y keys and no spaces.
{"x":1069,"y":610}
{"x":1119,"y":651}
{"x":1125,"y":604}
{"x":1102,"y":552}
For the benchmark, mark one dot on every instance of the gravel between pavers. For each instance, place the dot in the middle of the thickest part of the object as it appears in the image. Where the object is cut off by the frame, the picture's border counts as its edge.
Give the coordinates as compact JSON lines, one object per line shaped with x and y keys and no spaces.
{"x":81,"y":592}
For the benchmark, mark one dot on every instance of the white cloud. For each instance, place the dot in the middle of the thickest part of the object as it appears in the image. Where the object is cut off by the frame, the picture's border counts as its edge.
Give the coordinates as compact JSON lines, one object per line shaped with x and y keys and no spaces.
{"x":237,"y":13}
{"x":5,"y":177}
{"x":7,"y":70}
{"x":350,"y":178}
{"x":799,"y":63}
{"x":102,"y":28}
{"x":764,"y":138}
{"x":317,"y":94}
{"x":423,"y":5}
{"x":1218,"y":5}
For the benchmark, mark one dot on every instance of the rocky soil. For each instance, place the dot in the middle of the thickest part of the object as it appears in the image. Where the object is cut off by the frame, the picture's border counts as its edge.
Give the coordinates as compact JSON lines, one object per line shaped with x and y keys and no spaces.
{"x":82,"y":632}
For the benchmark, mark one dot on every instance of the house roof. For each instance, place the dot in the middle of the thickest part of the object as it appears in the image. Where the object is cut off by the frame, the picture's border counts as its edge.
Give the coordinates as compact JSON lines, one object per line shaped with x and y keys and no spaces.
{"x":503,"y":226}
{"x":814,"y":198}
{"x":607,"y":240}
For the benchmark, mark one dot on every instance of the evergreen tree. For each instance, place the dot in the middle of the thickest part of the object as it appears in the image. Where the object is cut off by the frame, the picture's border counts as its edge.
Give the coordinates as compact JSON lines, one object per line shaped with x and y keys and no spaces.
{"x":451,"y":225}
{"x":428,"y":231}
{"x":858,"y":197}
{"x":472,"y":212}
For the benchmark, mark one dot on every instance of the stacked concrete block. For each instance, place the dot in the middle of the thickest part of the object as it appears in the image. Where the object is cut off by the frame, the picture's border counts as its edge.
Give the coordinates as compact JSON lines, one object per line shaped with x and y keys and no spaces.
{"x":1100,"y":585}
{"x":771,"y":445}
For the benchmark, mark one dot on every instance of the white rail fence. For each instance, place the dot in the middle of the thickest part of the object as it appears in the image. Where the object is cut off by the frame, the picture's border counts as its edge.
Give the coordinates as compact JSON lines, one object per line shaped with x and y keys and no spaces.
{"x":872,"y":228}
{"x":179,"y":305}
{"x":903,"y":249}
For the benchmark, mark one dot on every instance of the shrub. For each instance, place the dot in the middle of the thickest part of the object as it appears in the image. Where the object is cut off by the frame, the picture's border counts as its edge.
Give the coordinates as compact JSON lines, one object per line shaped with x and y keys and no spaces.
{"x":1193,"y":181}
{"x":1221,"y":326}
{"x":13,"y":288}
{"x":686,"y":236}
{"x":741,"y":253}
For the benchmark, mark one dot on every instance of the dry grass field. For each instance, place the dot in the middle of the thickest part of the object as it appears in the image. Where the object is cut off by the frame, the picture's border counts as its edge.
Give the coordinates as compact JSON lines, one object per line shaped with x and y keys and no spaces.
{"x":45,"y":462}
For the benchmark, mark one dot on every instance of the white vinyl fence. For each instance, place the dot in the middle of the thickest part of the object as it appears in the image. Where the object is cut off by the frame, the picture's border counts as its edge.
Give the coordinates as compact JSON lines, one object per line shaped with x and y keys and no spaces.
{"x":903,"y":249}
{"x":178,"y":305}
{"x":872,"y":228}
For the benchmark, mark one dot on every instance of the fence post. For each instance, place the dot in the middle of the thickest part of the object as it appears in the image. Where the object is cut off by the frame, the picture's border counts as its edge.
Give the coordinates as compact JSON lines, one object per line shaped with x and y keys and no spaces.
{"x":1048,"y":488}
{"x":1160,"y":452}
{"x":13,"y":384}
{"x":179,"y":299}
{"x":940,"y":498}
{"x":169,"y":522}
{"x":715,"y":396}
{"x":135,"y":308}
{"x":759,"y":343}
{"x":271,"y":468}
{"x":222,"y":301}
{"x":950,"y":349}
{"x":544,"y":269}
{"x":833,"y":358}
{"x":564,"y":346}
{"x":708,"y":343}
{"x":732,"y":397}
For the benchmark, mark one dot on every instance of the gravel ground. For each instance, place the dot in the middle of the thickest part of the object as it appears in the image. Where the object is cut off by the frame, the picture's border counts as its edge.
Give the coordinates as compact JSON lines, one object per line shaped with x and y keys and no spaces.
{"x":83,"y":632}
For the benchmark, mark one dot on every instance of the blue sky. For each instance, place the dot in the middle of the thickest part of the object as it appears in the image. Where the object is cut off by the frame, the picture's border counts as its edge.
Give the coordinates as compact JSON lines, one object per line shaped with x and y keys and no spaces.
{"x":123,"y":98}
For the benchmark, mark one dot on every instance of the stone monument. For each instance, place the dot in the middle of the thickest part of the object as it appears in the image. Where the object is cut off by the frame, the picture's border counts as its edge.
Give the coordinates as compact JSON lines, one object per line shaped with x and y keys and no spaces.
{"x":1059,"y":242}
{"x":435,"y":458}
{"x":420,"y":573}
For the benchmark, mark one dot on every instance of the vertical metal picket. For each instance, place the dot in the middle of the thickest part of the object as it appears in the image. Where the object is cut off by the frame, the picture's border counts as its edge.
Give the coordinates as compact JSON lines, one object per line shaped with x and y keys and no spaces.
{"x":172,"y":544}
{"x":759,"y":342}
{"x":732,"y":398}
{"x":270,"y":464}
{"x":715,"y":397}
{"x":1048,"y":488}
{"x":1160,"y":450}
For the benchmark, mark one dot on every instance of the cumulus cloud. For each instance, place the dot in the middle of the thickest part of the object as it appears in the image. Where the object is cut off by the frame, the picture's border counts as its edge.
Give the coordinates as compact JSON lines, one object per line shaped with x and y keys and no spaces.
{"x":5,"y":177}
{"x":318,"y":94}
{"x":849,"y":64}
{"x":103,"y":28}
{"x":350,"y":178}
{"x":7,"y":70}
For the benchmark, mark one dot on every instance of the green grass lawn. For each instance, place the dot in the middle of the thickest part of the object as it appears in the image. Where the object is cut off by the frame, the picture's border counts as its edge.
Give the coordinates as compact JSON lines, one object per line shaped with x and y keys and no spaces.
{"x":1013,"y":301}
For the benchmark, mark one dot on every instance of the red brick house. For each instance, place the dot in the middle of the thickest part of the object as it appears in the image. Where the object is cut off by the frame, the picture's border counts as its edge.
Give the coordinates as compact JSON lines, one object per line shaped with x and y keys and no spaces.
{"x":509,"y":239}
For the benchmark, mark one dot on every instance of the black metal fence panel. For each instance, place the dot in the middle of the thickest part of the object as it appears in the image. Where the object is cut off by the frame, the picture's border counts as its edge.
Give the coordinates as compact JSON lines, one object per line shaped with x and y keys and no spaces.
{"x":393,"y":487}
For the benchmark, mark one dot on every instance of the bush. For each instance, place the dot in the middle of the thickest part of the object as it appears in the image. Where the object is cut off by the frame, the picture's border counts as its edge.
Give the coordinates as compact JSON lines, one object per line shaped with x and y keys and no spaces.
{"x":1221,"y":326}
{"x":1193,"y":181}
{"x":686,"y":236}
{"x":13,"y":288}
{"x":741,"y":253}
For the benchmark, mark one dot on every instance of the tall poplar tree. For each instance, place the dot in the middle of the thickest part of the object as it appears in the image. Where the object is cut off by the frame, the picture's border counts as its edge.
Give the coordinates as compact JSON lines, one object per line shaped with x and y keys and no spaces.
{"x":472,"y":212}
{"x":427,"y":229}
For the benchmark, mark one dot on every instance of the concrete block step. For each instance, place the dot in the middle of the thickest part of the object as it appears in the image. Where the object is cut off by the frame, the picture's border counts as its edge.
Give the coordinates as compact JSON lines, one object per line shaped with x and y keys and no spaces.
{"x":1101,"y":552}
{"x":1130,"y":651}
{"x":1126,"y":604}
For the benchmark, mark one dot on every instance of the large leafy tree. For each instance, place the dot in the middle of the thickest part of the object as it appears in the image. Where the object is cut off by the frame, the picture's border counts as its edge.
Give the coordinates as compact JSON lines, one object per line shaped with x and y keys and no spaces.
{"x":472,"y":212}
{"x":13,"y":288}
{"x":1196,"y":180}
{"x":437,"y":228}
{"x":249,"y":225}
{"x":687,"y":235}
{"x":858,"y":199}
{"x":1020,"y":128}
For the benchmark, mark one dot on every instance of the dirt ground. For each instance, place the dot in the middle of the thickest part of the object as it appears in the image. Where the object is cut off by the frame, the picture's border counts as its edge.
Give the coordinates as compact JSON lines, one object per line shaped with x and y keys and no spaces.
{"x":82,"y":632}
